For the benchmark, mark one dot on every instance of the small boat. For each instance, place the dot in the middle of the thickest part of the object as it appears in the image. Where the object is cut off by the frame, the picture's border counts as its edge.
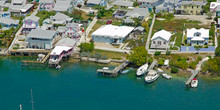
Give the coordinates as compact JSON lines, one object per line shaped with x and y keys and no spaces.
{"x":124,"y":72}
{"x":151,"y":76}
{"x":165,"y":75}
{"x":142,"y":70}
{"x":105,"y":68}
{"x":160,"y":70}
{"x":194,"y":83}
{"x":58,"y":67}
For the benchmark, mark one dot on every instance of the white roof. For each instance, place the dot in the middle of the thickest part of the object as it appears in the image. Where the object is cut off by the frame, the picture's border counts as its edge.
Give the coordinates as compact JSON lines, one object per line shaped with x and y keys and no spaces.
{"x":163,"y":34}
{"x":59,"y":49}
{"x":166,"y":62}
{"x":204,"y":33}
{"x":197,"y":39}
{"x":113,"y":31}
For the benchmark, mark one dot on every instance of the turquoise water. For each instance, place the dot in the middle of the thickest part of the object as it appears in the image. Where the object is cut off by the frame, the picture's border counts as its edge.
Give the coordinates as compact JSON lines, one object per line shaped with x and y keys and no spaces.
{"x":77,"y":87}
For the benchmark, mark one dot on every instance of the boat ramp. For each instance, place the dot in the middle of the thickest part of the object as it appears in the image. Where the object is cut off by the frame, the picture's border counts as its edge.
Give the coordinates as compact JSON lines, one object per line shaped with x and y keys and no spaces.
{"x":194,"y":73}
{"x":113,"y":73}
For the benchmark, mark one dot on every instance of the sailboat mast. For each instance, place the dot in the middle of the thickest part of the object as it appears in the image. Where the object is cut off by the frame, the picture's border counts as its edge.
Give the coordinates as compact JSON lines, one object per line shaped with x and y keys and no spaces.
{"x":32,"y":100}
{"x":20,"y":107}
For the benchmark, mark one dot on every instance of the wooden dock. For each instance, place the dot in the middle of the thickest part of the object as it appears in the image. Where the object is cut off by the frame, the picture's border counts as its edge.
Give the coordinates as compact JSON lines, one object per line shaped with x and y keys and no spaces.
{"x":194,"y":73}
{"x":35,"y":63}
{"x":115,"y":71}
{"x":153,"y":64}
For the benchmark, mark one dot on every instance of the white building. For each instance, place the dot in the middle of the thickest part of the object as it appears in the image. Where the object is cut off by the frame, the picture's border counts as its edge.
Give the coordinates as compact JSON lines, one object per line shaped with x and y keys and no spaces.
{"x":161,"y":40}
{"x":112,"y":34}
{"x":197,"y":36}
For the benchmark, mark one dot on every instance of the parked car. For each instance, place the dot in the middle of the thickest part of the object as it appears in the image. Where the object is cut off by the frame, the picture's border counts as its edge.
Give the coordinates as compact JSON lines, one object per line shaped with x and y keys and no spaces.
{"x":109,"y":22}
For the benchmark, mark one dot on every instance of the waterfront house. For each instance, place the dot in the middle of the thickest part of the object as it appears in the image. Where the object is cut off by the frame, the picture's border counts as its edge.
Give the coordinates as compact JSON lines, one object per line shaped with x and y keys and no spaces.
{"x":122,"y":4}
{"x":73,"y":30}
{"x":60,"y":18}
{"x":63,"y":48}
{"x":197,"y":36}
{"x":8,"y":23}
{"x":111,"y":34}
{"x":119,"y":14}
{"x":161,"y":40}
{"x":41,"y":39}
{"x":91,"y":3}
{"x":20,"y":7}
{"x":5,"y":14}
{"x":63,"y":6}
{"x":29,"y":23}
{"x":140,"y":13}
{"x":47,"y":5}
{"x":192,"y":7}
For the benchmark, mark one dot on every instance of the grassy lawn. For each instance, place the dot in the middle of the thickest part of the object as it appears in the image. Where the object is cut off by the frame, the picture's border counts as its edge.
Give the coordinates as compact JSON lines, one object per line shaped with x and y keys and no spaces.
{"x":44,"y":15}
{"x":176,"y":25}
{"x":110,"y":54}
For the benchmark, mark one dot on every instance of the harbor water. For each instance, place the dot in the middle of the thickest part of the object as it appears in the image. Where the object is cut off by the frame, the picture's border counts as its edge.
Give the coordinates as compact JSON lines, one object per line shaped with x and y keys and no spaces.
{"x":76,"y":86}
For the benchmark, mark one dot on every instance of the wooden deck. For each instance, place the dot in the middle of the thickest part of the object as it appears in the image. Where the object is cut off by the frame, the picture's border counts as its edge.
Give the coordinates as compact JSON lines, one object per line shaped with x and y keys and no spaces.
{"x":115,"y":71}
{"x":194,"y":73}
{"x":153,"y":64}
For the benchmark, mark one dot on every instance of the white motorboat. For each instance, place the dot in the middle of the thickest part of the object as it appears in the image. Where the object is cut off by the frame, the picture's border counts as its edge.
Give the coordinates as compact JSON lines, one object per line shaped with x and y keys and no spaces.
{"x":58,"y":67}
{"x":142,"y":70}
{"x":194,"y":83}
{"x":165,"y":75}
{"x":160,"y":70}
{"x":151,"y":76}
{"x":105,"y":68}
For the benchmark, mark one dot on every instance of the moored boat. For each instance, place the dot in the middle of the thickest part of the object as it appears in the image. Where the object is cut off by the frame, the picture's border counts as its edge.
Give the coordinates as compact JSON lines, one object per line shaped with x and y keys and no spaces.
{"x":165,"y":75}
{"x":125,"y":71}
{"x":142,"y":70}
{"x":194,"y":83}
{"x":151,"y":76}
{"x":105,"y":68}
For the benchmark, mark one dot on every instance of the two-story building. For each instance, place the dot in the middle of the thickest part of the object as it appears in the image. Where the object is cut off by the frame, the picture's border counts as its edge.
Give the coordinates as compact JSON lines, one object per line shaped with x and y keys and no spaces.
{"x":60,"y":18}
{"x":197,"y":36}
{"x":29,"y":23}
{"x":41,"y":39}
{"x":91,"y":3}
{"x":73,"y":30}
{"x":47,"y":5}
{"x":161,"y":40}
{"x":20,"y":7}
{"x":122,"y":4}
{"x":192,"y":7}
{"x":8,"y":23}
{"x":63,"y":6}
{"x":5,"y":14}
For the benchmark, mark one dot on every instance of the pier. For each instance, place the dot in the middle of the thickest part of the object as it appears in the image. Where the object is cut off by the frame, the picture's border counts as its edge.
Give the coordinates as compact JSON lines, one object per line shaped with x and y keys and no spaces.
{"x":153,"y":64}
{"x":113,"y":73}
{"x":194,"y":73}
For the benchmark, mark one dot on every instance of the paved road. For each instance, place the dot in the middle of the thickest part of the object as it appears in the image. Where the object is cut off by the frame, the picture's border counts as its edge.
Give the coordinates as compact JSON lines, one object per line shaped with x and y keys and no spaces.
{"x":89,"y":28}
{"x":150,"y":32}
{"x":19,"y":31}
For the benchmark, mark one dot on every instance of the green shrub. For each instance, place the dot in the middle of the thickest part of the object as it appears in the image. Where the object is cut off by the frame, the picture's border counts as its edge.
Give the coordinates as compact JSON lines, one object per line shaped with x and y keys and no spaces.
{"x":86,"y":47}
{"x":157,"y":53}
{"x":199,"y":58}
{"x":192,"y":65}
{"x":161,"y":62}
{"x":174,"y":70}
{"x":168,"y":53}
{"x":150,"y":60}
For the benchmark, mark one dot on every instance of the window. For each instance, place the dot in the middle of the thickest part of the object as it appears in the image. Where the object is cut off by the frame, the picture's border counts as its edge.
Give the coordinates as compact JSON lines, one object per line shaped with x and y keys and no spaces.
{"x":154,"y":42}
{"x":197,"y":6}
{"x":192,"y":7}
{"x":159,"y":42}
{"x":164,"y":42}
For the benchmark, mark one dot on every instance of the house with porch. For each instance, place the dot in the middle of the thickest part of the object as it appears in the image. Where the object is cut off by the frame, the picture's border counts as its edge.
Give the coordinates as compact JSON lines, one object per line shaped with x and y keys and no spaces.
{"x":20,"y":7}
{"x":41,"y":39}
{"x":63,"y":6}
{"x":7,"y":23}
{"x":119,"y":13}
{"x":5,"y":14}
{"x":122,"y":4}
{"x":63,"y":48}
{"x":60,"y":18}
{"x":112,"y":34}
{"x":29,"y":23}
{"x":47,"y":5}
{"x":91,"y":3}
{"x":73,"y":30}
{"x":192,"y":7}
{"x":197,"y":36}
{"x":140,"y":13}
{"x":161,"y":40}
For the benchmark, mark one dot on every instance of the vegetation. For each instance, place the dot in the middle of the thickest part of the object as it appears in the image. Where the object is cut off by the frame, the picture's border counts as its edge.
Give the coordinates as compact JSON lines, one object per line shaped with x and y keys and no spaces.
{"x":161,"y":62}
{"x":102,"y":12}
{"x":44,"y":15}
{"x":110,"y":54}
{"x":157,"y":53}
{"x":212,"y":66}
{"x":138,"y":56}
{"x":5,"y":9}
{"x":168,"y":52}
{"x":135,"y":4}
{"x":75,"y":14}
{"x":174,"y":70}
{"x":86,"y":47}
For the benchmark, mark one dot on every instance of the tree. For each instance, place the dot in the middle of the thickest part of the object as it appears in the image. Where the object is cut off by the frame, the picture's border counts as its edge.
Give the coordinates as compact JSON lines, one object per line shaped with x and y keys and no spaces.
{"x":211,"y":65}
{"x":135,"y":4}
{"x":209,"y":14}
{"x":79,"y":6}
{"x":1,"y":28}
{"x":154,"y":9}
{"x":138,"y":56}
{"x":137,"y":21}
{"x":157,"y":53}
{"x":86,"y":47}
{"x":85,"y":3}
{"x":217,"y":51}
{"x":174,"y":70}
